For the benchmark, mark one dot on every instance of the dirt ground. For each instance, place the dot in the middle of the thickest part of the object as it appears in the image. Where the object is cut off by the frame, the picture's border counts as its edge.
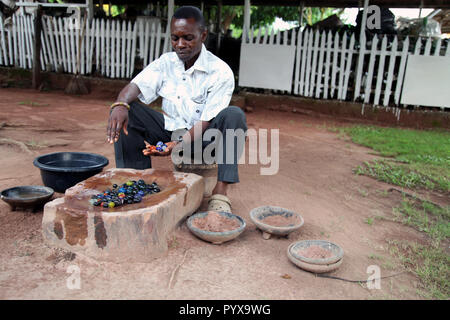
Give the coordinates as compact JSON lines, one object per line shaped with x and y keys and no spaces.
{"x":315,"y":179}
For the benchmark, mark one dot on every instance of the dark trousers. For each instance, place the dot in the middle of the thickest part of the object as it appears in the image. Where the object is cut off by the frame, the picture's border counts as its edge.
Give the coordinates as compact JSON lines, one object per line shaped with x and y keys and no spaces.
{"x":147,"y":124}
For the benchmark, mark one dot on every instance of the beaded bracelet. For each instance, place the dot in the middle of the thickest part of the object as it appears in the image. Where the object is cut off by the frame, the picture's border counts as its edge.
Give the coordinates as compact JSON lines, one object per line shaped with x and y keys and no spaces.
{"x":115,"y":104}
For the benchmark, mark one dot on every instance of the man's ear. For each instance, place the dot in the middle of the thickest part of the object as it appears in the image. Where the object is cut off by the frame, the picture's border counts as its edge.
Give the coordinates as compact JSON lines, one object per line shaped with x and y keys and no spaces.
{"x":204,"y":35}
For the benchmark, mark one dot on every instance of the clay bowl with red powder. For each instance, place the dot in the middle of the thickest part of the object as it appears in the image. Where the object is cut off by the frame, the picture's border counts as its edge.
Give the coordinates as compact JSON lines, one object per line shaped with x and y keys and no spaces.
{"x":317,"y":256}
{"x":216,"y":226}
{"x":276,"y":220}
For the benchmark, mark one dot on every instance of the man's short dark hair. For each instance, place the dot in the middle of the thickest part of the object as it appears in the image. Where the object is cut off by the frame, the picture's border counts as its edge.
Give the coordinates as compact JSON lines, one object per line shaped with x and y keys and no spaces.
{"x":190,"y":12}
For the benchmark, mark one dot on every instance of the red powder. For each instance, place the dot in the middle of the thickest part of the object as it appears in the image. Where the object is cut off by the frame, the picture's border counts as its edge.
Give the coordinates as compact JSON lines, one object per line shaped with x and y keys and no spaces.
{"x":315,"y":252}
{"x":215,"y":222}
{"x":280,"y":220}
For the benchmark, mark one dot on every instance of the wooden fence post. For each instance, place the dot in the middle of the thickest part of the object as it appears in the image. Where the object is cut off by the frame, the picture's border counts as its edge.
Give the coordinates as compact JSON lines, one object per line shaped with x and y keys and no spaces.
{"x":36,"y":81}
{"x":362,"y":49}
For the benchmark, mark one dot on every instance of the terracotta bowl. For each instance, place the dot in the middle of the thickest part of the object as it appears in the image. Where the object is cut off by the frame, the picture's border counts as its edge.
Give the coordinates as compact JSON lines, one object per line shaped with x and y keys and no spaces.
{"x":258,"y":215}
{"x":337,"y":251}
{"x":316,"y":265}
{"x":216,"y":237}
{"x":27,"y":197}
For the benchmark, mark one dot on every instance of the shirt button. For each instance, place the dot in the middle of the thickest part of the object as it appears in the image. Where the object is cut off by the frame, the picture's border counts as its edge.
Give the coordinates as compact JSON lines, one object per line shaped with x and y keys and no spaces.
{"x":178,"y":97}
{"x":197,"y":111}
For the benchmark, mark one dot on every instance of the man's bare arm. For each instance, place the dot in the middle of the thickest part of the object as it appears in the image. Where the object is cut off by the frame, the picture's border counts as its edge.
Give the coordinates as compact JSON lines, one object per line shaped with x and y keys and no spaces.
{"x":129,"y":93}
{"x":118,"y":117}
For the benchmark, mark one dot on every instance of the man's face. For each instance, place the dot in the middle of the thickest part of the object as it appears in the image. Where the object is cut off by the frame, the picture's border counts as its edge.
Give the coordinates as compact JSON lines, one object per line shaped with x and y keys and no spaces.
{"x":187,"y":39}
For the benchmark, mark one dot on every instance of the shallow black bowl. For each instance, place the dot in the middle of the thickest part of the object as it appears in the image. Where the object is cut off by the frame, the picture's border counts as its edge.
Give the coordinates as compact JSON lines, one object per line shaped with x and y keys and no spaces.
{"x":26,"y":196}
{"x":62,"y":170}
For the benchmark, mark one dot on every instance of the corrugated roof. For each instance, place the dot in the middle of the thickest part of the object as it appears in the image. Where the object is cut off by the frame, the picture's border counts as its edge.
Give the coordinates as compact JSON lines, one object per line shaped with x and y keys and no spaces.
{"x":443,"y":18}
{"x":308,"y":3}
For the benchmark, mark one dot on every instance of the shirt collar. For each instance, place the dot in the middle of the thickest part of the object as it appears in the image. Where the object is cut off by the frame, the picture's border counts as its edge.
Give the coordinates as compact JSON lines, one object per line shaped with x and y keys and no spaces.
{"x":201,"y":63}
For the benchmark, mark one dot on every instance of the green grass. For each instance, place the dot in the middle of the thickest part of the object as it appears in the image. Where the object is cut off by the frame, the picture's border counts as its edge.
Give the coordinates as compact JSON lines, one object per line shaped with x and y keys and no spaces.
{"x":362,"y":192}
{"x":33,"y":104}
{"x":431,"y":263}
{"x":412,"y":158}
{"x":374,"y":256}
{"x":402,"y":175}
{"x":36,"y":144}
{"x":173,"y":243}
{"x":404,"y":144}
{"x":425,"y":217}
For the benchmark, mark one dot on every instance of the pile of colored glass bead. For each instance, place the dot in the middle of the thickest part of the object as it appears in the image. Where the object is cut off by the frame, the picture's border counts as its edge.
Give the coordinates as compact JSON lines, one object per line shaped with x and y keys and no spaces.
{"x":160,"y":147}
{"x":128,"y":193}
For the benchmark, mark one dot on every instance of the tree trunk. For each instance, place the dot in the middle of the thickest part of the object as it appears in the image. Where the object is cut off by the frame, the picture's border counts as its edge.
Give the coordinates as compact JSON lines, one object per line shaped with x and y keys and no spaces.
{"x":228,"y":19}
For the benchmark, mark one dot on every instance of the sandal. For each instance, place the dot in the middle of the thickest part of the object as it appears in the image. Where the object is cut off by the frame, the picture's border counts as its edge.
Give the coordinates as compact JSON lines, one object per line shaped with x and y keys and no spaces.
{"x":219,"y":202}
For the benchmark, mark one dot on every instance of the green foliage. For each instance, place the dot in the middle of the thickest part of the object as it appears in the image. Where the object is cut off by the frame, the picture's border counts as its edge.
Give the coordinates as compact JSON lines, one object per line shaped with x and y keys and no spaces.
{"x":314,"y":15}
{"x":260,"y":15}
{"x":264,"y":15}
{"x":117,"y":10}
{"x":233,"y":16}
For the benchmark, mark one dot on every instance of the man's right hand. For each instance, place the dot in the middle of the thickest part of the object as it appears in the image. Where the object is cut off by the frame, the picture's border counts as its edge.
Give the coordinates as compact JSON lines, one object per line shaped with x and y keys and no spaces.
{"x":118,"y":119}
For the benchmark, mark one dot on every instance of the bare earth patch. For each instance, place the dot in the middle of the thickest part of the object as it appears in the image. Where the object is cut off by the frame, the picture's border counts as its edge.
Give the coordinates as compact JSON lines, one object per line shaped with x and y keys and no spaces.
{"x":315,"y":179}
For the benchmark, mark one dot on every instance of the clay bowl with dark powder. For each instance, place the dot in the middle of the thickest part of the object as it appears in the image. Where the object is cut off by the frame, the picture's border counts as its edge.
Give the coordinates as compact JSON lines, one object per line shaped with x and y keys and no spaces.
{"x":276,"y":220}
{"x":319,"y":252}
{"x":216,"y":226}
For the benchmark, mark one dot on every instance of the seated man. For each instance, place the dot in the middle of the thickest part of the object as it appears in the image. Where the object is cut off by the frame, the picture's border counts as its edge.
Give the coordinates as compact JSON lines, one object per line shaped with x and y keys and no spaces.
{"x":196,"y":88}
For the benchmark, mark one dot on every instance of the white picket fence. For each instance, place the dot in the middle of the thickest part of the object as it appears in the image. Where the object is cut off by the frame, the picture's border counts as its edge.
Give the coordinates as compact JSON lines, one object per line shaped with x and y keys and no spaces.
{"x":152,"y":40}
{"x":323,"y":64}
{"x":331,"y":66}
{"x":326,"y":65}
{"x":109,"y":45}
{"x":386,"y":66}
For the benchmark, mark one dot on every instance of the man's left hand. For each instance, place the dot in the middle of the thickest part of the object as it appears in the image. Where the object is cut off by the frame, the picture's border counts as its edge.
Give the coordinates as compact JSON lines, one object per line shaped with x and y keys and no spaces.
{"x":148,"y":152}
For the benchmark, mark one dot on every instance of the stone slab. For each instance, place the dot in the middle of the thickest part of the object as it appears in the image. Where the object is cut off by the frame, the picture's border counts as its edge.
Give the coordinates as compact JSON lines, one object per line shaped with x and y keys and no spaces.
{"x":136,"y":232}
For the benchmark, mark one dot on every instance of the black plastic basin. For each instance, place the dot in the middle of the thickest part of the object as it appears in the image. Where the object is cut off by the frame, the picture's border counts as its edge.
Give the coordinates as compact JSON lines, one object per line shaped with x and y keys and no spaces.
{"x":62,"y":170}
